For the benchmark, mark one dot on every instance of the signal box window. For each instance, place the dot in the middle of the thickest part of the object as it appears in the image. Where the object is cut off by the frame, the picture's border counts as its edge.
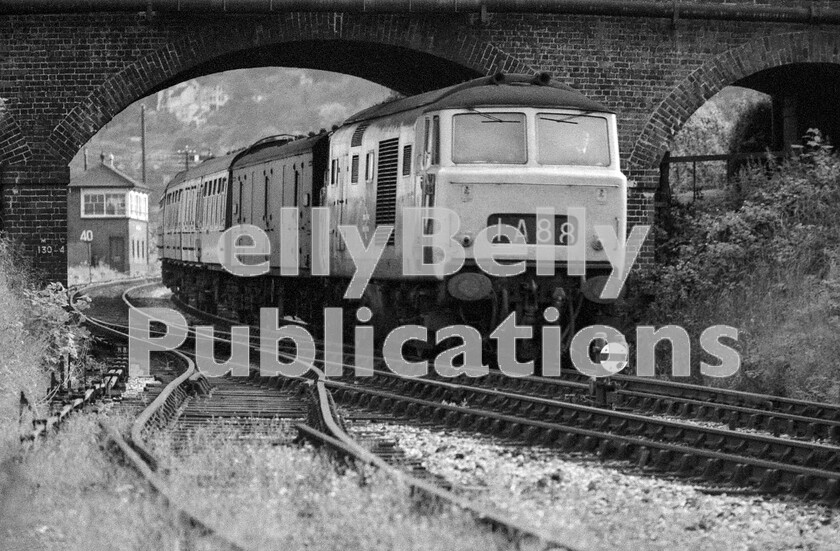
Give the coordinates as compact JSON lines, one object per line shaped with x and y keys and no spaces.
{"x":103,"y":204}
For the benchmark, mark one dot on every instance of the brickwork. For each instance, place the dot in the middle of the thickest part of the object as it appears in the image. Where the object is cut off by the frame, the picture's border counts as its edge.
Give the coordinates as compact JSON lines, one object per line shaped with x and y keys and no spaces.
{"x":37,"y":217}
{"x":62,"y":77}
{"x":640,"y":210}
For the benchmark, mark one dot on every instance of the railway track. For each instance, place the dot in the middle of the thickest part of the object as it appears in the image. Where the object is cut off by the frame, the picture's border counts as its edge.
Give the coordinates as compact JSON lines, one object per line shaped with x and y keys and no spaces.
{"x":188,"y":402}
{"x":529,"y":408}
{"x":812,"y":421}
{"x":706,"y":454}
{"x":772,"y":414}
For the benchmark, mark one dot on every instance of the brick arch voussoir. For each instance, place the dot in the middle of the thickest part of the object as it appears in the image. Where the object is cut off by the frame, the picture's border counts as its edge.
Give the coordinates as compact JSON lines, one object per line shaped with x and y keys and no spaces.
{"x":721,"y":71}
{"x":134,"y":80}
{"x":14,"y":148}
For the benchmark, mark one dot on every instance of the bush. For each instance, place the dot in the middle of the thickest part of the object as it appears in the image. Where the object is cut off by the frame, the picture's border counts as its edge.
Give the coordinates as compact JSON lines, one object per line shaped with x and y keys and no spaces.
{"x":765,"y":263}
{"x":36,"y":332}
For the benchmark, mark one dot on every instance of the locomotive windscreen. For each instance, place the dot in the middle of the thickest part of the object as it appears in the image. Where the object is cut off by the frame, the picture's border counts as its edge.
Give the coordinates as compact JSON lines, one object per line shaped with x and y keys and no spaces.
{"x":489,"y":138}
{"x":572,"y":140}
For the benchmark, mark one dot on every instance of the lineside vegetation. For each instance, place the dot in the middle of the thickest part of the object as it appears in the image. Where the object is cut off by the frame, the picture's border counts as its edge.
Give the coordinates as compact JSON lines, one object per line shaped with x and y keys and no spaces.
{"x":40,"y":341}
{"x":764,"y":258}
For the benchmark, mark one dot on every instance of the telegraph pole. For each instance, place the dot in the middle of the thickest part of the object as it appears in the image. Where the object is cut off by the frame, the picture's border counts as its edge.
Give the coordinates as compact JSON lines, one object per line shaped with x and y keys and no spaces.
{"x":143,"y":140}
{"x":186,"y":151}
{"x":143,"y":164}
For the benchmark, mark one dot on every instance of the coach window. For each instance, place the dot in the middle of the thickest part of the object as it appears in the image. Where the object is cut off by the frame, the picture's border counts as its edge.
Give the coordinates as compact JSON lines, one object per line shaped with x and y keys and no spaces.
{"x":334,"y":172}
{"x":354,"y":170}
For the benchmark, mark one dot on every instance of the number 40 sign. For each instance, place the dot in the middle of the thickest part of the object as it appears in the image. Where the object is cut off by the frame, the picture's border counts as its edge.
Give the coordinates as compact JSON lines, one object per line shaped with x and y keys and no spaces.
{"x":87,"y":236}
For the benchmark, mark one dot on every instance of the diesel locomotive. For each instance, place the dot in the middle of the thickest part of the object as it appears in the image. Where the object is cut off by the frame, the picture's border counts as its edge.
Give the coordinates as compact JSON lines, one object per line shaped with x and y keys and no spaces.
{"x":523,"y":166}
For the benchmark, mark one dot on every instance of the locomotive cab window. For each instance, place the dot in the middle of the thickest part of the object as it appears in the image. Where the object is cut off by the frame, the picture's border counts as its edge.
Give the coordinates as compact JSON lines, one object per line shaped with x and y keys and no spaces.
{"x":406,"y":160}
{"x":580,"y":140}
{"x":431,"y":141}
{"x":493,"y":138}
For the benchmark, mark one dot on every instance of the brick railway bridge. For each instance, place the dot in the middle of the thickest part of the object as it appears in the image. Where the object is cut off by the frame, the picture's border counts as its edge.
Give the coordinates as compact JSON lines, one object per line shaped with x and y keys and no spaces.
{"x":67,"y":67}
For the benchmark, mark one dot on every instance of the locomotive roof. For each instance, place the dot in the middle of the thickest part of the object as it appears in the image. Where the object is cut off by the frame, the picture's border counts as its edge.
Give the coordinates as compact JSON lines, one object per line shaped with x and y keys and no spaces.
{"x":267,"y":149}
{"x":493,"y":91}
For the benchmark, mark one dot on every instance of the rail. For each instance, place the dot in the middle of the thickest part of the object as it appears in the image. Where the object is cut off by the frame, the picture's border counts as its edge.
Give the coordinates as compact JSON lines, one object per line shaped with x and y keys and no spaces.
{"x":164,"y":406}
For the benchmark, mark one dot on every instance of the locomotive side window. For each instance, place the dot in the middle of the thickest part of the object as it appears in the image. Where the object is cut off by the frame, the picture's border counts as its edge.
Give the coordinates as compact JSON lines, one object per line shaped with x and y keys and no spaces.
{"x":435,"y":140}
{"x":354,"y":170}
{"x":221,"y":203}
{"x":497,"y":138}
{"x":427,"y":134}
{"x":265,"y":198}
{"x":406,"y":160}
{"x":369,"y":166}
{"x":579,"y":140}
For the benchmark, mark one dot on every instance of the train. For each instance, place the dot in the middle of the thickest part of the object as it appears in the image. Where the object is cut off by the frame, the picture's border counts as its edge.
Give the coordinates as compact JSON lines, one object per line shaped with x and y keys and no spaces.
{"x":489,"y":151}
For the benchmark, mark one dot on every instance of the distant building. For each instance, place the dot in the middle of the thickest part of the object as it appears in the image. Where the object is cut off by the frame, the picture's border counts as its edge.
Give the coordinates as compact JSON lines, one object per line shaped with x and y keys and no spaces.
{"x":112,"y":210}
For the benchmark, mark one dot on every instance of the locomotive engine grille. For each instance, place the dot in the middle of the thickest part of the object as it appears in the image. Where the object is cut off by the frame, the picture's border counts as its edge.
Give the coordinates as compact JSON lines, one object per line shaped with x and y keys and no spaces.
{"x":386,"y":184}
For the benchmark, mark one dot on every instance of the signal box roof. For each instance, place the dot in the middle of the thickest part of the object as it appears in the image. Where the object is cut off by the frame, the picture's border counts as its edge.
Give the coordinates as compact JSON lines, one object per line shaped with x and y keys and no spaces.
{"x":493,"y":91}
{"x":106,"y":176}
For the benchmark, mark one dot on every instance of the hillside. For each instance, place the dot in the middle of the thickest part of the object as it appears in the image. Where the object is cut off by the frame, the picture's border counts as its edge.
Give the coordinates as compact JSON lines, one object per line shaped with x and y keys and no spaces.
{"x":226,"y":111}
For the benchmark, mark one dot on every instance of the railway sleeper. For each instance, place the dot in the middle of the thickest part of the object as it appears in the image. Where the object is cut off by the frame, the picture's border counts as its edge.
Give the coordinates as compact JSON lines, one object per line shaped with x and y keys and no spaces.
{"x":662,"y":460}
{"x":645,"y":455}
{"x":831,"y":496}
{"x":770,"y":481}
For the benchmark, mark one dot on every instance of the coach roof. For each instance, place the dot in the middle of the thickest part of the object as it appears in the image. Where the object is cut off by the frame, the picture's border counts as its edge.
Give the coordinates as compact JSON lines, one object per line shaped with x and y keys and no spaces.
{"x":275,"y":147}
{"x":493,"y":91}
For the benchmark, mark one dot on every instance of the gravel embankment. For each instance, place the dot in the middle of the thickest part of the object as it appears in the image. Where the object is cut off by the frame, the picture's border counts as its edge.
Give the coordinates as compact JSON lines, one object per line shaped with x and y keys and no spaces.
{"x":595,"y":505}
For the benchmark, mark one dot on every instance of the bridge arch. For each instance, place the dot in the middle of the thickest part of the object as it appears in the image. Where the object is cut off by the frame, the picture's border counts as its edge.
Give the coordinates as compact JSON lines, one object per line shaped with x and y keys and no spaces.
{"x":409,"y":58}
{"x":725,"y":69}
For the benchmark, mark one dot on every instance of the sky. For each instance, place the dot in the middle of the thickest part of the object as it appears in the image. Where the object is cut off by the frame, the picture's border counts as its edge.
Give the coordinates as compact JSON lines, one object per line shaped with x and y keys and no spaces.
{"x":226,"y":111}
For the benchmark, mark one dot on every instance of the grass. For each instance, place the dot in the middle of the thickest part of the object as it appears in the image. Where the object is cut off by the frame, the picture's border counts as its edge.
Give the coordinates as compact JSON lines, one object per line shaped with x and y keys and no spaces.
{"x":279,"y":497}
{"x":66,"y":493}
{"x":22,"y":351}
{"x":102,"y":272}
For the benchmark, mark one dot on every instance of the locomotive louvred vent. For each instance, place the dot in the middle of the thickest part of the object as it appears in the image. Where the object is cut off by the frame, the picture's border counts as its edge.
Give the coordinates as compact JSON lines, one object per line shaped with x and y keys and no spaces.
{"x":358,"y":134}
{"x":386,"y":183}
